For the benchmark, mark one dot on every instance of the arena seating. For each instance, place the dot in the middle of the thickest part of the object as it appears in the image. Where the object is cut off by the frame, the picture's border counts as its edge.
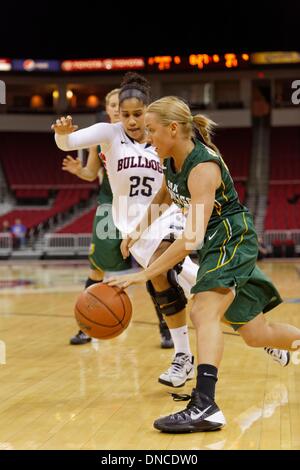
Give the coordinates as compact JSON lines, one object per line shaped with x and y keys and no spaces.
{"x":235,"y":147}
{"x":285,"y":154}
{"x":284,"y":190}
{"x":33,"y":161}
{"x":283,"y":207}
{"x":83,"y":224}
{"x":64,"y":201}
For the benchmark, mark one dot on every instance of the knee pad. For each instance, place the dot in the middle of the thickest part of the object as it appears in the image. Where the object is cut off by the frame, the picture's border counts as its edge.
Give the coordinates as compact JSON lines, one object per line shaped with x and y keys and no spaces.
{"x":171,"y":300}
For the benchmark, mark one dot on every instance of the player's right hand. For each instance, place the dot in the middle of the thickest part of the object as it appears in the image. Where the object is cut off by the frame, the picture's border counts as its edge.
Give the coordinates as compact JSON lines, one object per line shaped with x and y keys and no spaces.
{"x":128,"y":279}
{"x":72,"y":165}
{"x":64,"y":125}
{"x":124,"y":247}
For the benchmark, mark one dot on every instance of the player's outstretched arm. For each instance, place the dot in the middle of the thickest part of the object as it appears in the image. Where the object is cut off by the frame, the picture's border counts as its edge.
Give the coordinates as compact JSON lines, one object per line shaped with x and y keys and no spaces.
{"x":203,"y":182}
{"x":67,"y":139}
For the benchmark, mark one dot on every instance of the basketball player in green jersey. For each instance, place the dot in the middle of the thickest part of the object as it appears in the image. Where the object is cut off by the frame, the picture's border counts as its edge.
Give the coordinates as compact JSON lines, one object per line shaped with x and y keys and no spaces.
{"x":229,"y":285}
{"x":105,"y":255}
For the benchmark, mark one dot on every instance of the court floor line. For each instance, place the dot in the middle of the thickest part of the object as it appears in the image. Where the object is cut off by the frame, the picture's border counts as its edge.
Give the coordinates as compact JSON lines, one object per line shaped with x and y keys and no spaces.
{"x":139,"y":322}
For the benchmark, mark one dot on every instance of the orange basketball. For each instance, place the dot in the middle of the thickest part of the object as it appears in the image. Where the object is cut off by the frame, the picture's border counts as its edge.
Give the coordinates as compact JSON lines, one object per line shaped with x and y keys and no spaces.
{"x":103,"y":311}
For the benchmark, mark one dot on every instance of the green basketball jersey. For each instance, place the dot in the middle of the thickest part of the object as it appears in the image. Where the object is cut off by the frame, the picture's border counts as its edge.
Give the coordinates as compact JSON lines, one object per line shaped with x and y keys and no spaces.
{"x":105,"y":193}
{"x":228,"y":255}
{"x":226,"y":198}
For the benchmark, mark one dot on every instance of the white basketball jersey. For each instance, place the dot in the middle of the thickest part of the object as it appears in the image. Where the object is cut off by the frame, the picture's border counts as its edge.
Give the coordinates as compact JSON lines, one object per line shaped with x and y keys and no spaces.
{"x":134,"y":170}
{"x":135,"y":176}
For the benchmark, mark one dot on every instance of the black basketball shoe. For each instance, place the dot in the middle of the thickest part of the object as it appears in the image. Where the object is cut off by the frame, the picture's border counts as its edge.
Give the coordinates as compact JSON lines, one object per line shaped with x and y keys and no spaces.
{"x":201,"y":414}
{"x":80,"y":338}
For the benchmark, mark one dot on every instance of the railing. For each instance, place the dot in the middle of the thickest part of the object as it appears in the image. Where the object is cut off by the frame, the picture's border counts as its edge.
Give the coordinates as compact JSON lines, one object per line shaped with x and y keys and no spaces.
{"x":70,"y":244}
{"x":281,"y":235}
{"x":66,"y":243}
{"x":83,"y":243}
{"x":6,"y":244}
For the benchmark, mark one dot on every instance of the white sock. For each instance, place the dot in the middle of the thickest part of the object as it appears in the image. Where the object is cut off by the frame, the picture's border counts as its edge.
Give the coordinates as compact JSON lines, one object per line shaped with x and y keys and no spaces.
{"x":180,"y":337}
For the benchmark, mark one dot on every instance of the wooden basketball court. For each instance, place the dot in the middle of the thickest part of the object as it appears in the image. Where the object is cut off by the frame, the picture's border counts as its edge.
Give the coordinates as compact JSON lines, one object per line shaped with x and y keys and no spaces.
{"x":105,"y":395}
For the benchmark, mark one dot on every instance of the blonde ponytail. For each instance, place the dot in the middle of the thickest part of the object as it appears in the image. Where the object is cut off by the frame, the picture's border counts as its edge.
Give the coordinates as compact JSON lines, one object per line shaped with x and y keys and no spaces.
{"x":205,"y":127}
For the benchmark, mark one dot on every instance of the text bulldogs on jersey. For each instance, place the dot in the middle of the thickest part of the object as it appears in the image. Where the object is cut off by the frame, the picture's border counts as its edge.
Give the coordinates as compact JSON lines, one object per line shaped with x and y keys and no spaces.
{"x":138,"y":162}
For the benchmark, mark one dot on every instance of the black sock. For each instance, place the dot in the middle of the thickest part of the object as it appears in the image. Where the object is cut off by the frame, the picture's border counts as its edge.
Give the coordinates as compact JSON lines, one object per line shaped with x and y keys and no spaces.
{"x":90,"y":282}
{"x":206,"y":380}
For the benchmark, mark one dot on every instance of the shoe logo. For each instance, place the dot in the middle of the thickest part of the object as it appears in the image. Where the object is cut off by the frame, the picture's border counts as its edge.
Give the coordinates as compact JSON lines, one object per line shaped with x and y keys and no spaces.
{"x":195,"y":416}
{"x":190,"y":370}
{"x":212,"y":236}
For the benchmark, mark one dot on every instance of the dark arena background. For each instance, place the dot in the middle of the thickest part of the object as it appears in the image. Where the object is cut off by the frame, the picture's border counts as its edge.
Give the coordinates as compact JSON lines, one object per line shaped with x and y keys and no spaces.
{"x":238,"y":64}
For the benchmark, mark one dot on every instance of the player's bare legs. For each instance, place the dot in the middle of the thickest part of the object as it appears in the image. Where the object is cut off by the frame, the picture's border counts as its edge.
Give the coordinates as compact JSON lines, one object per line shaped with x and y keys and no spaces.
{"x":261,"y":333}
{"x":206,"y":314}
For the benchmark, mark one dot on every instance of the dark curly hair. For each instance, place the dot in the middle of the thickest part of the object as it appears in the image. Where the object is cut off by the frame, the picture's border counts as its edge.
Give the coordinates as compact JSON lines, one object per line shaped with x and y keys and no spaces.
{"x":135,"y":86}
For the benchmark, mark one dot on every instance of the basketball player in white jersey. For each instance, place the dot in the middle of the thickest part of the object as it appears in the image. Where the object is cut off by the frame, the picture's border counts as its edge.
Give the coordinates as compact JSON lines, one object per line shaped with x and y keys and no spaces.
{"x":136,"y":176}
{"x":105,"y":255}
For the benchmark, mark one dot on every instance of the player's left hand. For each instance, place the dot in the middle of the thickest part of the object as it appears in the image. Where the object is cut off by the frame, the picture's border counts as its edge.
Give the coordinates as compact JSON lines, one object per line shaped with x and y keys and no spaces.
{"x":128,"y":279}
{"x":64,"y":125}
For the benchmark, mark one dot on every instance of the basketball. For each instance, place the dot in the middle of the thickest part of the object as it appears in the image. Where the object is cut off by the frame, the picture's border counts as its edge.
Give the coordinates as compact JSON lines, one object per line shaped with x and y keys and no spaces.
{"x":102,"y":311}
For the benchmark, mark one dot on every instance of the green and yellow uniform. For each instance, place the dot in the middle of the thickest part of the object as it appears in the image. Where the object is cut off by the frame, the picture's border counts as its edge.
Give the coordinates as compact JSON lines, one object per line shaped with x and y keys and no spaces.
{"x":228,"y":255}
{"x":105,"y":253}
